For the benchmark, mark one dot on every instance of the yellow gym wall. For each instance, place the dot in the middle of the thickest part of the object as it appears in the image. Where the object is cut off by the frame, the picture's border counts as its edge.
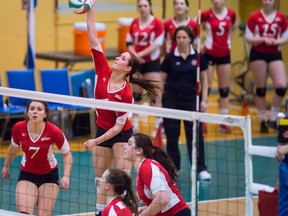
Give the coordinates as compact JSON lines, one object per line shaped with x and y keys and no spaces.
{"x":54,"y":30}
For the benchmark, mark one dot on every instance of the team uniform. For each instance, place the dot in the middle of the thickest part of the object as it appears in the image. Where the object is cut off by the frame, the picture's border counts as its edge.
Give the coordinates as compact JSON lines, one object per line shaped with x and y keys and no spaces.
{"x":116,"y":208}
{"x":152,"y":178}
{"x":106,"y":118}
{"x":217,"y":43}
{"x":38,"y":159}
{"x":259,"y":26}
{"x":180,"y":93}
{"x":170,"y":26}
{"x":142,"y":38}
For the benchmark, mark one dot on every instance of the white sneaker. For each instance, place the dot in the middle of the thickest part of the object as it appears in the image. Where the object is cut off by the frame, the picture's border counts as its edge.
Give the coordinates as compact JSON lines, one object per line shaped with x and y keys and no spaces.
{"x":204,"y":175}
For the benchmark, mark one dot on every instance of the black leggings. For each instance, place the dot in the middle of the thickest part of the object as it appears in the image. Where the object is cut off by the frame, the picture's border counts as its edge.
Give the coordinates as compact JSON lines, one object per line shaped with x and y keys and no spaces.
{"x":172,"y":130}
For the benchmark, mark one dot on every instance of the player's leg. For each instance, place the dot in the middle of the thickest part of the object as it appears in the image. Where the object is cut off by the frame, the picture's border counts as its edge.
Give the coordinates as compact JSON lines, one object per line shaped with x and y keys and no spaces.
{"x":46,"y":198}
{"x":26,"y":196}
{"x":102,"y":159}
{"x":277,"y":73}
{"x":259,"y":69}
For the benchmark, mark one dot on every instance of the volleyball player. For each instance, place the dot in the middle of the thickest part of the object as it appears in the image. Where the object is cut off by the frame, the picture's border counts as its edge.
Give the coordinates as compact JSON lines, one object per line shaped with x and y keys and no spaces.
{"x":220,"y":24}
{"x":38,"y":182}
{"x":156,"y":176}
{"x":144,"y":39}
{"x":117,"y":186}
{"x":267,"y":30}
{"x":113,"y":128}
{"x":181,"y":17}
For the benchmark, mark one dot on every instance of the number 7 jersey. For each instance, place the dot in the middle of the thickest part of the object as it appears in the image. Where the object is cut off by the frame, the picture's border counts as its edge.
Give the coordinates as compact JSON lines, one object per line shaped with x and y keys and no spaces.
{"x":217,"y":43}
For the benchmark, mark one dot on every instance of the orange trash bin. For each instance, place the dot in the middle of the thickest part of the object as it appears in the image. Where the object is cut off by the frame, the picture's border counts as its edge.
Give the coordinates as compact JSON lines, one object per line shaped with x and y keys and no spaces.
{"x":124,"y":25}
{"x":81,"y":44}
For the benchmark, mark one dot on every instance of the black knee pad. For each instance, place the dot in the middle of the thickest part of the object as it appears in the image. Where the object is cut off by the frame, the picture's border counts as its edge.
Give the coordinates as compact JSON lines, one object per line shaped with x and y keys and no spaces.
{"x":261,"y":92}
{"x":137,"y":96}
{"x":224,"y":92}
{"x":280,"y":91}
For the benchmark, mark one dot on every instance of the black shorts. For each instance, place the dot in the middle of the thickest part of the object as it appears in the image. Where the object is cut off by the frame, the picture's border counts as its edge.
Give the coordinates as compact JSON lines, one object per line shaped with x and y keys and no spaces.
{"x":38,"y":180}
{"x":123,"y":136}
{"x":267,"y":57}
{"x":153,"y":66}
{"x":216,"y":60}
{"x":184,"y":212}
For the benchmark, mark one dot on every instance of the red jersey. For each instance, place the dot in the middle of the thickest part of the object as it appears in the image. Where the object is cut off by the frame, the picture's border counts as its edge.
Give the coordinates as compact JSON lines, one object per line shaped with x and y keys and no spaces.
{"x":38,"y":157}
{"x":141,"y":38}
{"x":106,"y":119}
{"x":170,"y":26}
{"x":151,"y":178}
{"x":217,"y":43}
{"x":116,"y":208}
{"x":259,"y":26}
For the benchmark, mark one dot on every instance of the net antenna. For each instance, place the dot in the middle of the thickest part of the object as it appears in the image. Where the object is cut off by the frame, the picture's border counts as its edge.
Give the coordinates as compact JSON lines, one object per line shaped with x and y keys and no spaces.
{"x":196,"y":125}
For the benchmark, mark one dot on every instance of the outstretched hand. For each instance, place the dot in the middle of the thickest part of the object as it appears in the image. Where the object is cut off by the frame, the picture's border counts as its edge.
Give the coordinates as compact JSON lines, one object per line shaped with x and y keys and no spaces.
{"x":88,"y":145}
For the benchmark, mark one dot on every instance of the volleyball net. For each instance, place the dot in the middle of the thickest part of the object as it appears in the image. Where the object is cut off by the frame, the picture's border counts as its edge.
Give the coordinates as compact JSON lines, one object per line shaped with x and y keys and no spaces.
{"x":229,"y":157}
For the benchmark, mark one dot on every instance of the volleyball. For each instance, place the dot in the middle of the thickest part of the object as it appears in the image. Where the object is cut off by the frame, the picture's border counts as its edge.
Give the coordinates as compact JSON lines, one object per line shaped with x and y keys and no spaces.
{"x":80,"y":6}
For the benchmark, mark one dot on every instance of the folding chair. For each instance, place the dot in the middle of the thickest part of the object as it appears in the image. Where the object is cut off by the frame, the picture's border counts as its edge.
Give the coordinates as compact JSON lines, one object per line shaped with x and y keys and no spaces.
{"x":21,"y":79}
{"x":77,"y":80}
{"x":56,"y":81}
{"x":7,"y":112}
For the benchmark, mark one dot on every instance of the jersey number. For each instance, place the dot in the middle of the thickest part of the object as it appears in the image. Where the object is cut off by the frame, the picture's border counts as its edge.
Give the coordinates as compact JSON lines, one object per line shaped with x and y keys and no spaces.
{"x":221,"y":29}
{"x":273,"y":30}
{"x":36,"y":149}
{"x":144,"y":39}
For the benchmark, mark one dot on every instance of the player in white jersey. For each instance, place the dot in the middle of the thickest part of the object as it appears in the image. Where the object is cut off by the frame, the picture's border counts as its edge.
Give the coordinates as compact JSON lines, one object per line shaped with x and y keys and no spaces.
{"x":156,"y":176}
{"x":117,"y":186}
{"x":38,"y":182}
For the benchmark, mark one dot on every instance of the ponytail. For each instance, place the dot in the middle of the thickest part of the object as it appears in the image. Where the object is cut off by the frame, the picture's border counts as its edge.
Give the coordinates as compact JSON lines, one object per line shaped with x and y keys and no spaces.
{"x":155,"y":153}
{"x":150,"y":86}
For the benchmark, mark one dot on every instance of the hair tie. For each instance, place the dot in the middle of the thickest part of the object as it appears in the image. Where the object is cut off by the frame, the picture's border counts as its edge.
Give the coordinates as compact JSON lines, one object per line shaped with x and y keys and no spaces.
{"x":124,"y":193}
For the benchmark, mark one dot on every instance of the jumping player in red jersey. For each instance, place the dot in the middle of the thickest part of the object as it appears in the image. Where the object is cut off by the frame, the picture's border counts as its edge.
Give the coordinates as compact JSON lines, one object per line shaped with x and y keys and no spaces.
{"x":220,"y":24}
{"x":113,"y":128}
{"x":267,"y":30}
{"x":180,"y":18}
{"x":117,"y":186}
{"x":38,"y":182}
{"x":156,"y":176}
{"x":145,"y":39}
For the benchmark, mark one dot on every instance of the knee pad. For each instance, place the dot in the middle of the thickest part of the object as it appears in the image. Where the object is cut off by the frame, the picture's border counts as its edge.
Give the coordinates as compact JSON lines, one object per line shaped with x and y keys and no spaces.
{"x":280,"y":91}
{"x":137,"y":96}
{"x":224,"y":92}
{"x":261,"y":92}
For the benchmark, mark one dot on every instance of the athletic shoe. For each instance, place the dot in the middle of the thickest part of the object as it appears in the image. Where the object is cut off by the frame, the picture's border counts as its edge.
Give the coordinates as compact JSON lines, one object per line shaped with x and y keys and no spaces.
{"x":264,"y":127}
{"x":225,"y":129}
{"x":272,"y":124}
{"x":204,"y":175}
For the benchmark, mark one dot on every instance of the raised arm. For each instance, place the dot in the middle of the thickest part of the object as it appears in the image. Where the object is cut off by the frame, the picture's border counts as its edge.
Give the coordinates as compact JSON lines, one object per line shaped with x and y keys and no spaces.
{"x":92,"y":32}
